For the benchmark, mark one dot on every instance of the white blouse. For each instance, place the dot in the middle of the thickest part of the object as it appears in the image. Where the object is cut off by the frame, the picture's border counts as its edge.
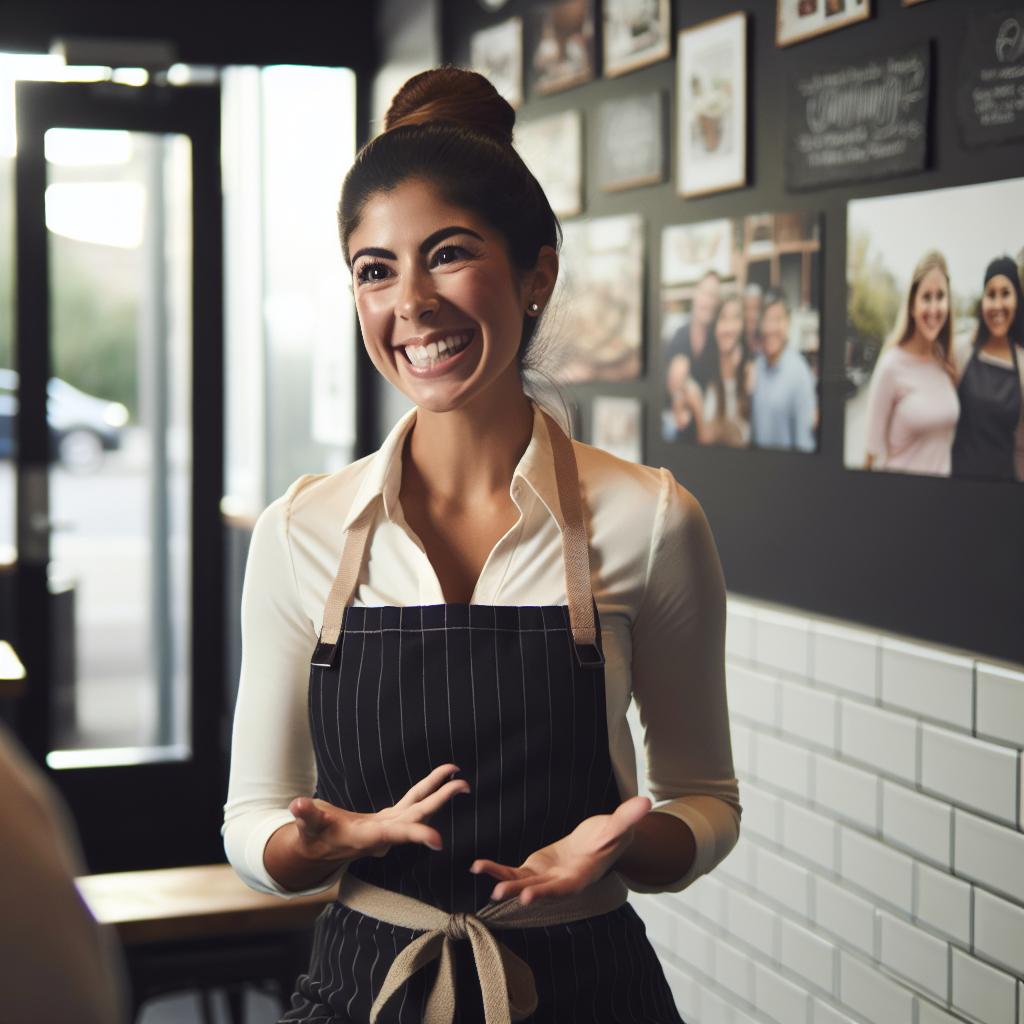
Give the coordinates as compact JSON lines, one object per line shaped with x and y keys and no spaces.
{"x":660,"y":596}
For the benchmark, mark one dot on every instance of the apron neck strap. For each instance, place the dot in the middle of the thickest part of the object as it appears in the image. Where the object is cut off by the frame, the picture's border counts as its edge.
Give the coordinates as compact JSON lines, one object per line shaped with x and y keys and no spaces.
{"x":575,"y":554}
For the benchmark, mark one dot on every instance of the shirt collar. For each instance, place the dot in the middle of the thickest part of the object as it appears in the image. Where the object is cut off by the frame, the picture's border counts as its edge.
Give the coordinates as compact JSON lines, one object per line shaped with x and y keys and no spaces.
{"x":382,"y":479}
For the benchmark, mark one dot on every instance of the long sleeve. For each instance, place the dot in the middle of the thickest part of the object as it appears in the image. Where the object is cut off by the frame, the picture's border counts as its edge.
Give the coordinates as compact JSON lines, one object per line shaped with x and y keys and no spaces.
{"x":679,"y":681}
{"x":805,"y":402}
{"x":881,"y":398}
{"x":271,"y":753}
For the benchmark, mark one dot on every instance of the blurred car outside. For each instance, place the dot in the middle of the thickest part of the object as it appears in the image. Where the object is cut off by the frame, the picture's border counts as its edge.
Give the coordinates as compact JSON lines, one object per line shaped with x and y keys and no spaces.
{"x":82,"y":427}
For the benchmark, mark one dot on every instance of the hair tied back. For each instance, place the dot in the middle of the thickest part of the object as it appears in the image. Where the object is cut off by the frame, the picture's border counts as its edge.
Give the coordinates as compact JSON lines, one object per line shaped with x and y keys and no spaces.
{"x":454,"y":95}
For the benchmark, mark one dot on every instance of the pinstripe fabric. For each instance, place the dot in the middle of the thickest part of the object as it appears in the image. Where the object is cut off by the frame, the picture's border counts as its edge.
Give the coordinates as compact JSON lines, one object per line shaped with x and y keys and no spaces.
{"x":499,"y":691}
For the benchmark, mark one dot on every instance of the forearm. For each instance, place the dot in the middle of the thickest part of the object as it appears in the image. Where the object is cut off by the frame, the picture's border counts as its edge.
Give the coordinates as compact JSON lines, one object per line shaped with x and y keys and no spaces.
{"x":289,"y":867}
{"x":663,"y":849}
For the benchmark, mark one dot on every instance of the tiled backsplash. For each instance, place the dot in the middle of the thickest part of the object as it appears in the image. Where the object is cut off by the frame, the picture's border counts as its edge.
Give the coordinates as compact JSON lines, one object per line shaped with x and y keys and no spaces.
{"x":879,"y":877}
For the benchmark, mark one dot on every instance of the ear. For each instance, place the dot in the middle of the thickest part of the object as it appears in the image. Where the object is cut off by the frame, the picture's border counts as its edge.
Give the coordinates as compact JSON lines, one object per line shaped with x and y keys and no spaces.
{"x":539,"y":283}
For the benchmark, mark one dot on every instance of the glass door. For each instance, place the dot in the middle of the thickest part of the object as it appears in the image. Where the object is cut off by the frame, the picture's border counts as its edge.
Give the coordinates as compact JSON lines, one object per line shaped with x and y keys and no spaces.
{"x":119,"y":466}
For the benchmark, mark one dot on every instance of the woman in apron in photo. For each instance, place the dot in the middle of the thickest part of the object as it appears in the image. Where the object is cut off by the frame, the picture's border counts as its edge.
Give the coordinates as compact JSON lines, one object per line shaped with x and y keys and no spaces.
{"x":440,"y":641}
{"x":991,"y":384}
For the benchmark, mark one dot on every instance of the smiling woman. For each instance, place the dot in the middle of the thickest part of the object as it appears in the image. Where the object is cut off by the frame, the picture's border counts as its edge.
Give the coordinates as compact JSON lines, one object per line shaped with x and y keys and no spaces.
{"x":482,"y":597}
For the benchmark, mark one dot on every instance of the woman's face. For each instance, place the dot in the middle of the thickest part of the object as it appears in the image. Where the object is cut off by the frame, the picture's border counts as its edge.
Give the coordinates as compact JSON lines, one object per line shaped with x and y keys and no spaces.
{"x":930,"y":310}
{"x":729,"y":326}
{"x":999,"y":305}
{"x":440,"y":305}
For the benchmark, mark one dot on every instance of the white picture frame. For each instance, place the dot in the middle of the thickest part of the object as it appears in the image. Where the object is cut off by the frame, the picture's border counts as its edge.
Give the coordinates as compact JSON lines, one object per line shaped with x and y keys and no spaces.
{"x":711,"y":106}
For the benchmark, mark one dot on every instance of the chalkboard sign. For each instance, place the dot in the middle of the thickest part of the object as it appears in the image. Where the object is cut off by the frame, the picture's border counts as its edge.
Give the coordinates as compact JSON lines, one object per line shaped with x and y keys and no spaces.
{"x":990,"y":95}
{"x":631,"y":148}
{"x":859,"y":121}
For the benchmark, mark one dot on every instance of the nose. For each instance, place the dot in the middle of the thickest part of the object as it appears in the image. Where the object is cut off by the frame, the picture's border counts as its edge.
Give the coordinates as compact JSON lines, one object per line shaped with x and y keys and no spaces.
{"x":417,"y":299}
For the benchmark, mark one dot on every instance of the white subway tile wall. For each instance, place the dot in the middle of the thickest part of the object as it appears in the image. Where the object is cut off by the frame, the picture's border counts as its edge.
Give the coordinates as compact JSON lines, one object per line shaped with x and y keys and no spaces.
{"x":879,"y":876}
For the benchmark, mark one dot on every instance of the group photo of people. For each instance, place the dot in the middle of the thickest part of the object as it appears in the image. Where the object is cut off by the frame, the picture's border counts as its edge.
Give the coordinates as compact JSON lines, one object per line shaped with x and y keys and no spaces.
{"x":741,"y":332}
{"x":935,"y":334}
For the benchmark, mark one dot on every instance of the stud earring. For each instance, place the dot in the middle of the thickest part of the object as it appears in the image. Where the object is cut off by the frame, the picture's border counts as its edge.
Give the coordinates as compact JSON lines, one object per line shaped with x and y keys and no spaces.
{"x":534,"y":308}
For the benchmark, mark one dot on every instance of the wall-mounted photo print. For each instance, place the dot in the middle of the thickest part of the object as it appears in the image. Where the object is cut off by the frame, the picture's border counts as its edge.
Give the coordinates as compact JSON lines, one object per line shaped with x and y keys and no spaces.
{"x":563,"y":53}
{"x":741,"y":326}
{"x":711,"y":96}
{"x":497,"y":53}
{"x":618,"y":427}
{"x":797,"y":20}
{"x":636,"y":33}
{"x":552,"y":147}
{"x":631,"y":142}
{"x":935,"y":332}
{"x":596,"y":322}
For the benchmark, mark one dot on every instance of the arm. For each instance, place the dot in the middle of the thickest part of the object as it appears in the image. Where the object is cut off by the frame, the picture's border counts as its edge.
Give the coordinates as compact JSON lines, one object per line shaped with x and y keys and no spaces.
{"x":271,"y":751}
{"x":881,"y":400}
{"x":805,"y":409}
{"x":679,"y":686}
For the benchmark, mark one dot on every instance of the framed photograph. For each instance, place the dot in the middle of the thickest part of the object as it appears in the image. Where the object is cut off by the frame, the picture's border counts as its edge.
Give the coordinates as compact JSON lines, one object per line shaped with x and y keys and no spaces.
{"x":741,"y":331}
{"x":552,"y":147}
{"x":711,"y":108}
{"x":931,"y":277}
{"x":562,"y":51}
{"x":596,"y":323}
{"x":631,"y":142}
{"x":497,"y":53}
{"x":636,"y":33}
{"x":618,"y":427}
{"x":797,"y":20}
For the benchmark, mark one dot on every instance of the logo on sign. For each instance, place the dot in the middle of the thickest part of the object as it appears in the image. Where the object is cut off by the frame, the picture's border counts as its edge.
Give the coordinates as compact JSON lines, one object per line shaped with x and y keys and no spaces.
{"x":1009,"y":41}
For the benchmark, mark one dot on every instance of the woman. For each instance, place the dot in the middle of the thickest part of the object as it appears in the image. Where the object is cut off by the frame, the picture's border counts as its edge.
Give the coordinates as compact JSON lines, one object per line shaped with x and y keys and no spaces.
{"x":991,"y":384}
{"x":727,"y":403}
{"x":912,"y":401}
{"x":463,"y":714}
{"x":683,"y":420}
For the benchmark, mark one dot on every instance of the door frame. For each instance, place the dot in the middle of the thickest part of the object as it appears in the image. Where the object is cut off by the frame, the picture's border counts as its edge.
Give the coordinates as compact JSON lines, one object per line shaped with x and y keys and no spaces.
{"x":161,"y":813}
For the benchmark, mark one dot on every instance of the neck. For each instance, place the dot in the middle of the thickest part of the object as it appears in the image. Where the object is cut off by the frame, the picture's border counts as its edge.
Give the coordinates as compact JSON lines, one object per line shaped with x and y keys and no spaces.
{"x":729,"y":361}
{"x":918,"y":345}
{"x":998,"y":345}
{"x":773,"y":358}
{"x":465,"y":457}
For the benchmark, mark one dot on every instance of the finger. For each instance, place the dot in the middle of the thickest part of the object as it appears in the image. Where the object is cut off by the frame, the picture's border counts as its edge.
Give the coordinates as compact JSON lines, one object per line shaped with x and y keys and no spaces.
{"x":549,"y":890}
{"x":492,"y":868}
{"x":393,"y":832}
{"x":513,"y":887}
{"x":435,"y":801}
{"x":427,"y":785}
{"x":630,"y":812}
{"x":311,"y":819}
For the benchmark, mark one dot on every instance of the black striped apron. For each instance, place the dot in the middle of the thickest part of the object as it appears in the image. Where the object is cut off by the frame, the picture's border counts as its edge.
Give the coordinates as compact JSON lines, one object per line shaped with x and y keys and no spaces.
{"x":511,"y":697}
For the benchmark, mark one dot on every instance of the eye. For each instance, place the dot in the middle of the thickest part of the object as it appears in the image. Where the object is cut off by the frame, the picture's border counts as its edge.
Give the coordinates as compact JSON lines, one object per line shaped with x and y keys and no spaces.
{"x":449,"y":254}
{"x":369,"y":272}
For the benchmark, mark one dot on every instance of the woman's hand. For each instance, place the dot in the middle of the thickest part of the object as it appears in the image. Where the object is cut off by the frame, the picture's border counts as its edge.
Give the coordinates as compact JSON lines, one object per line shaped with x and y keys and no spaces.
{"x":327,"y":835}
{"x":570,"y":864}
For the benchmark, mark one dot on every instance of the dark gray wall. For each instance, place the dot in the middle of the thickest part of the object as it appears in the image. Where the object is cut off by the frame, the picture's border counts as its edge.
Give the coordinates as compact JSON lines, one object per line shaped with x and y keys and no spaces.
{"x":942,"y":560}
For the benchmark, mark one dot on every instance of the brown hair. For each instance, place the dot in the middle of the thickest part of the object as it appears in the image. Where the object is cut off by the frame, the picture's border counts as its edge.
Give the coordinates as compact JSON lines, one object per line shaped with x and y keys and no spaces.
{"x":451,"y":128}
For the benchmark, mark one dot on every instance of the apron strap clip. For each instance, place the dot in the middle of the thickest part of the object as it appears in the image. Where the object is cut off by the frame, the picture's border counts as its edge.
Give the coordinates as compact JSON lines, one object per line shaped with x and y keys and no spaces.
{"x":324,"y":654}
{"x":589,"y":655}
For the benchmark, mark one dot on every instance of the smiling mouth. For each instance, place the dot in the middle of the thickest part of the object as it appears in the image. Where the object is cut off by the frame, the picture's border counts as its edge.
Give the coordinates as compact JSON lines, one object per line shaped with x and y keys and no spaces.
{"x":434,"y":353}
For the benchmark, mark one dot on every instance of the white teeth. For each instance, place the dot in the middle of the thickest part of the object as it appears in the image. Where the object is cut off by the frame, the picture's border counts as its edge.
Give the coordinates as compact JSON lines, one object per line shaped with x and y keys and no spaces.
{"x":436,"y":351}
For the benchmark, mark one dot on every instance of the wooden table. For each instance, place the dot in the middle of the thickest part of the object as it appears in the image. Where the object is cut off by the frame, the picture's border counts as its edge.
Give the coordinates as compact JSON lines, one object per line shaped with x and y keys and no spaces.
{"x":203,"y":928}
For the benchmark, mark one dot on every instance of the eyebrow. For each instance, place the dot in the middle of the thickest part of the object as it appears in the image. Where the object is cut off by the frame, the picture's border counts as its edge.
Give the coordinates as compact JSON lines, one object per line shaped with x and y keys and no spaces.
{"x":426,"y":245}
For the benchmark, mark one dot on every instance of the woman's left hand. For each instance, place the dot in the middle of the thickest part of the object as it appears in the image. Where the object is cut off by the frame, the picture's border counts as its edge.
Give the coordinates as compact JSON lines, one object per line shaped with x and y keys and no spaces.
{"x":570,"y":864}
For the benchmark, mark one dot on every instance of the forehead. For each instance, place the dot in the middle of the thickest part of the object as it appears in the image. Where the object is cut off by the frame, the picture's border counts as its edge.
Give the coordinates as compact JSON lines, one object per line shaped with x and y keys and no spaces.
{"x":999,"y":281}
{"x":409,"y":213}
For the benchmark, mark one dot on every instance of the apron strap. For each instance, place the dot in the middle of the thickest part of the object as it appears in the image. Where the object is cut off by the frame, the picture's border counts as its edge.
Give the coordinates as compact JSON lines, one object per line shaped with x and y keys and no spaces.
{"x":575,"y":548}
{"x":575,"y":554}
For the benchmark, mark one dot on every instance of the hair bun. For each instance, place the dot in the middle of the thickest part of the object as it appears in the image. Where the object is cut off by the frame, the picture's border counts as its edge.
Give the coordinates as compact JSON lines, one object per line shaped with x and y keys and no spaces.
{"x":454,"y":95}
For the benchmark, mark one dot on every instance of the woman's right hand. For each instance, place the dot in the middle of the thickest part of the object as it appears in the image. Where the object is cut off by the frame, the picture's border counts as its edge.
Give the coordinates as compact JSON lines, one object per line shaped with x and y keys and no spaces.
{"x":329,"y":833}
